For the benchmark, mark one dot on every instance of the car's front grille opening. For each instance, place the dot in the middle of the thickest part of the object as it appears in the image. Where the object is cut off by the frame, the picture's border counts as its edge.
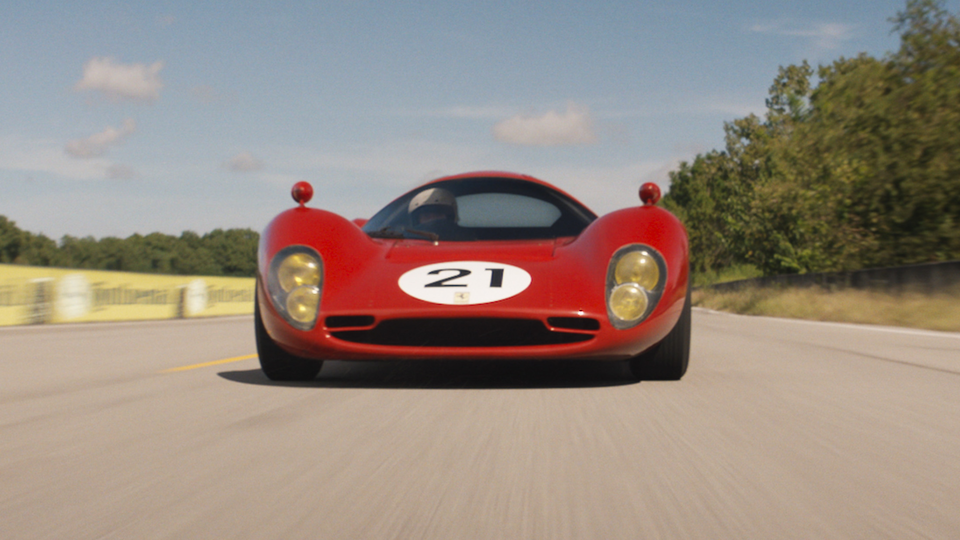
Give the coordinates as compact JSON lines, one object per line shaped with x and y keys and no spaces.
{"x":348,"y":321}
{"x":574,"y":323}
{"x":477,"y":332}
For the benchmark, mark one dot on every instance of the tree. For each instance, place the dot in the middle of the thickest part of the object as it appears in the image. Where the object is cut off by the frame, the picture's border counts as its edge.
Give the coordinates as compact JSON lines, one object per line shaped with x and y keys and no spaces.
{"x":37,"y":250}
{"x":231,"y":252}
{"x":11,"y":240}
{"x":861,"y":170}
{"x":80,"y":253}
{"x":893,"y":127}
{"x":192,"y":258}
{"x":234,"y":251}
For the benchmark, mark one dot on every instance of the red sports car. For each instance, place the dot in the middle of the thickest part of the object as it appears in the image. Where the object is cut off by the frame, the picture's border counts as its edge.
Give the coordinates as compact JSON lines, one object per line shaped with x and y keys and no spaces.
{"x":484,"y":265}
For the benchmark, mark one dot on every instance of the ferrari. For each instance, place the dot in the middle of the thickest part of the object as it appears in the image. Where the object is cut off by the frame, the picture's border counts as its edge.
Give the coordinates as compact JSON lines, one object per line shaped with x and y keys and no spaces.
{"x":477,"y":266}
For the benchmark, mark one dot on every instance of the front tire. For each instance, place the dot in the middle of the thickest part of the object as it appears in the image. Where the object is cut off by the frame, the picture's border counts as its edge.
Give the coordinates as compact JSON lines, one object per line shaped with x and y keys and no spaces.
{"x":276,"y":363}
{"x":668,"y":360}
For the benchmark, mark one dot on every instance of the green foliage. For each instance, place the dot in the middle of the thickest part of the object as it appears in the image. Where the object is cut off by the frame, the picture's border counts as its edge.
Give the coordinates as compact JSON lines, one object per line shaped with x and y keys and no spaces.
{"x":230,"y":252}
{"x":234,"y":250}
{"x":21,"y":247}
{"x":860,"y":170}
{"x":11,"y":240}
{"x":730,"y":273}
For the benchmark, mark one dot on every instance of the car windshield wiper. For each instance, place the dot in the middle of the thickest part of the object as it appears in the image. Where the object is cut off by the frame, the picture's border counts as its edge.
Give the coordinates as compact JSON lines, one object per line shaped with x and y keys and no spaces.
{"x":387,"y":232}
{"x":401,"y":232}
{"x":431,"y":235}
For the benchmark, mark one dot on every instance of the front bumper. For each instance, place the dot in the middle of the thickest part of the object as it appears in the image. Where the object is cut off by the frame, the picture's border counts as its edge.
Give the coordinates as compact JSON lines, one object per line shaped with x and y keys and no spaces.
{"x":480,"y":334}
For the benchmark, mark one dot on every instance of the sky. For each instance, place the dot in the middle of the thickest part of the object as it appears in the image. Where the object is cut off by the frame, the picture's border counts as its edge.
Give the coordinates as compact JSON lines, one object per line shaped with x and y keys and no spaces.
{"x":131,"y":117}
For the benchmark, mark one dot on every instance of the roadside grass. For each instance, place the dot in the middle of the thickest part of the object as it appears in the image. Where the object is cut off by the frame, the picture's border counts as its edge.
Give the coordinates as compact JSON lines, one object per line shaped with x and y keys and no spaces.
{"x":910,"y":309}
{"x":730,"y":273}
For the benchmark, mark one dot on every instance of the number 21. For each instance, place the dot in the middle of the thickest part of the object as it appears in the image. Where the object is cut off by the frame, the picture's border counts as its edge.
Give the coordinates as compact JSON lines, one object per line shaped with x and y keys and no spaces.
{"x":496,"y":277}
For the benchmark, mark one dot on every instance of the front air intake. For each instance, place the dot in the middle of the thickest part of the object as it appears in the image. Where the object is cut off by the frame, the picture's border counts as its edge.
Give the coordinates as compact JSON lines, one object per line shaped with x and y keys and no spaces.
{"x":347,"y":321}
{"x":477,"y":332}
{"x":574,"y":323}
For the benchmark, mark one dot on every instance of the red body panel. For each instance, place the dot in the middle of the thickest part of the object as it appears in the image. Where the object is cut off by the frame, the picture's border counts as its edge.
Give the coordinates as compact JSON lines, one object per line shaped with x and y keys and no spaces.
{"x":568,"y":277}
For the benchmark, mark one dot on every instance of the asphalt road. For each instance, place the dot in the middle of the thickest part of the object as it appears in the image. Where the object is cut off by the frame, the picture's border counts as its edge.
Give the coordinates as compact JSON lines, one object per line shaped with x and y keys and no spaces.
{"x":781,"y":429}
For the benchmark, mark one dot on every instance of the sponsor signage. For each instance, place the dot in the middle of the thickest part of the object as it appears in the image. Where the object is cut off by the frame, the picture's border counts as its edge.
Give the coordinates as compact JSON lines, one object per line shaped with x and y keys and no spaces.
{"x":32,"y":295}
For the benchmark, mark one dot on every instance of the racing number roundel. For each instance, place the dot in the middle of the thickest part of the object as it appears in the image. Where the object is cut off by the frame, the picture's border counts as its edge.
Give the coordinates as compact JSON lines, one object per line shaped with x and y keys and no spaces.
{"x":464,"y":282}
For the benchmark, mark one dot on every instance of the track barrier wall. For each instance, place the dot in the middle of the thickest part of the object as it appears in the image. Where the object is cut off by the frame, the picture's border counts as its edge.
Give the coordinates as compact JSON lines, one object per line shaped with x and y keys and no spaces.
{"x":926,"y":278}
{"x":40,"y":295}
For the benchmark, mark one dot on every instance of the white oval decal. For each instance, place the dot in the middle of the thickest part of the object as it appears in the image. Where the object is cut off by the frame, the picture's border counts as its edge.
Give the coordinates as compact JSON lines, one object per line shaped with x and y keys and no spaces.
{"x":464,"y":282}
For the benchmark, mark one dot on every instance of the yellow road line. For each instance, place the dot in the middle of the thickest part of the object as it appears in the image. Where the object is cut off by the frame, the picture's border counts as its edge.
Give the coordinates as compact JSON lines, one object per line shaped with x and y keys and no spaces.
{"x":207,"y":364}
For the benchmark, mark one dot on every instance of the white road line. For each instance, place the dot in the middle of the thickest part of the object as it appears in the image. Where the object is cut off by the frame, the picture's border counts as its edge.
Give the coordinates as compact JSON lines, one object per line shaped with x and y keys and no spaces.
{"x":870,"y":327}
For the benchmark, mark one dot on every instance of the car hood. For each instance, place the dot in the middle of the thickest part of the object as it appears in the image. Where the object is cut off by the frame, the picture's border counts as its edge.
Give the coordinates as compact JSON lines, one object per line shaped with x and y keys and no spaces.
{"x":374,"y":288}
{"x":421,"y":251}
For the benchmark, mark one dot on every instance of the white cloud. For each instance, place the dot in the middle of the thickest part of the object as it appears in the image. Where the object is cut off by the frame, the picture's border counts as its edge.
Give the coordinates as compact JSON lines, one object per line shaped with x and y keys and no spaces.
{"x":605,"y":189}
{"x":733,"y":107}
{"x":37,"y":157}
{"x":205,"y":94}
{"x":737,"y":106}
{"x":575,"y":126}
{"x":357,"y":182}
{"x":243,"y":162}
{"x":98,"y":143}
{"x":403,"y":163}
{"x":138,"y":82}
{"x":120,"y":172}
{"x":825,"y":36}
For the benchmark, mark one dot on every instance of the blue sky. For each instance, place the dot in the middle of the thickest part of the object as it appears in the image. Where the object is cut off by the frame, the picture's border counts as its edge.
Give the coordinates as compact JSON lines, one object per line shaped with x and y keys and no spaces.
{"x":134,"y":117}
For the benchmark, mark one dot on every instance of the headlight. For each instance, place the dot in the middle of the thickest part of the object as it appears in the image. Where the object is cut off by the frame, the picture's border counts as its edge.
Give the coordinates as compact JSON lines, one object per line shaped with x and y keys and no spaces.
{"x":638,"y":267}
{"x":298,"y":269}
{"x":628,"y":302}
{"x":635,"y":279}
{"x":302,"y":304}
{"x":295,"y":283}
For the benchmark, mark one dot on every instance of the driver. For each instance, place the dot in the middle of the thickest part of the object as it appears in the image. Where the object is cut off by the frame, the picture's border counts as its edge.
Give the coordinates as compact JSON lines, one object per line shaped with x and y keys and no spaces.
{"x":433,"y":204}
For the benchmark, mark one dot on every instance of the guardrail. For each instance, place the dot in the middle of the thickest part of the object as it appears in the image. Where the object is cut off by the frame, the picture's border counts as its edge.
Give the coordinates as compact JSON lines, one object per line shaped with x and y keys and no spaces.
{"x":40,"y":295}
{"x":928,"y":278}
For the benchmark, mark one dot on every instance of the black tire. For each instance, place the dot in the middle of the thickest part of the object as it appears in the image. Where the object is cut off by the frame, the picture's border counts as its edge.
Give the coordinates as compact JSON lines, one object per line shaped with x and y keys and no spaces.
{"x":668,"y":360}
{"x":276,"y":363}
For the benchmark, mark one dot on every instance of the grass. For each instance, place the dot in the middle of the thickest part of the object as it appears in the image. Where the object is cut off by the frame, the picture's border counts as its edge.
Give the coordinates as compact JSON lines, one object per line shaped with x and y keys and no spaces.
{"x":730,"y":273}
{"x":915,"y":310}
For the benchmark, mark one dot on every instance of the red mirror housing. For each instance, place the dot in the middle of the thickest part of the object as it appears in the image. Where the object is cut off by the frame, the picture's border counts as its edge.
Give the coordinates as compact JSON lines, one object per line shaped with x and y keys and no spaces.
{"x":302,"y":192}
{"x":649,"y":193}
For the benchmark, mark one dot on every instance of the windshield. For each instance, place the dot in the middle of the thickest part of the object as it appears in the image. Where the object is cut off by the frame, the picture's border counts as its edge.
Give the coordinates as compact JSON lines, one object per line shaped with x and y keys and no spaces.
{"x":481,"y":209}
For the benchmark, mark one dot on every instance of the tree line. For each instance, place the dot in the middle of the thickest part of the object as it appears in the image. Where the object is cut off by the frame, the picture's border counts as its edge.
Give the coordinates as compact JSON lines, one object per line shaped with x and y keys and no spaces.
{"x":855,"y":164}
{"x":231,"y":252}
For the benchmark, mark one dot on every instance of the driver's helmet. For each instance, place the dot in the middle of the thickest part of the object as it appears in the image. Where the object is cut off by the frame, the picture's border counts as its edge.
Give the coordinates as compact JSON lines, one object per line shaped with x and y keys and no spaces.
{"x":433,"y":204}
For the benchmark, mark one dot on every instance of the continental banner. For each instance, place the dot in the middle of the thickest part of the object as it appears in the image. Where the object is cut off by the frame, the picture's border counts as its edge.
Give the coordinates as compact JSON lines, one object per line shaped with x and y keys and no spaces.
{"x":37,"y":295}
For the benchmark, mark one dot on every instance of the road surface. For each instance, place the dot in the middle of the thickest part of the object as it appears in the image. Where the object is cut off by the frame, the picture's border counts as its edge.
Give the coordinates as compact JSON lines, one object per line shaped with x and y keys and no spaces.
{"x":781,"y":429}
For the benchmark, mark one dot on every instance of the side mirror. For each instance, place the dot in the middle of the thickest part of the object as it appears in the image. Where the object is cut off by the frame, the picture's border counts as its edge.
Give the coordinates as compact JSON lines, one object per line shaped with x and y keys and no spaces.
{"x":302,"y":192}
{"x":649,"y":193}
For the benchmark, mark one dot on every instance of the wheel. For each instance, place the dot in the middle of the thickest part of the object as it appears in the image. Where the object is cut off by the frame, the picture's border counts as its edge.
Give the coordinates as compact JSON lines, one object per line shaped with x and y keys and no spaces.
{"x":276,"y":363}
{"x":667,"y":361}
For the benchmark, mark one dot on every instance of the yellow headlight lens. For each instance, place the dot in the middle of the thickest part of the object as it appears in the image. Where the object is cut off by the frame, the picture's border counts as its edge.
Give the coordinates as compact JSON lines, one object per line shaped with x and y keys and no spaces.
{"x":302,"y":304}
{"x":628,"y":302}
{"x":638,"y":267}
{"x":298,"y":269}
